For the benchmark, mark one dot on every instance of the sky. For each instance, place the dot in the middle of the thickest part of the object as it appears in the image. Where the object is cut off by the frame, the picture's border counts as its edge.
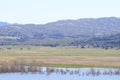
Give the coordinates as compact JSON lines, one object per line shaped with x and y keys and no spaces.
{"x":45,"y":11}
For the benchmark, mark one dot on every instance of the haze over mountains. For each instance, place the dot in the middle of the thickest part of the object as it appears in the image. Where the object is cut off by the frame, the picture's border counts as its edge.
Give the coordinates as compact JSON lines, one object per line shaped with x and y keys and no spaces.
{"x":60,"y":30}
{"x":4,"y":24}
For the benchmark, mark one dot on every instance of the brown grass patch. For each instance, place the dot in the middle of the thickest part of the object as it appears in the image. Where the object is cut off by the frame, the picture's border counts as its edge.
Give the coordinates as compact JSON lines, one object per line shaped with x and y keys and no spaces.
{"x":67,"y":60}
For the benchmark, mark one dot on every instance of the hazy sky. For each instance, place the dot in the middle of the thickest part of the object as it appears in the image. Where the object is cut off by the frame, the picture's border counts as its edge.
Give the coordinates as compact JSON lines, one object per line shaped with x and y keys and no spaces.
{"x":44,"y":11}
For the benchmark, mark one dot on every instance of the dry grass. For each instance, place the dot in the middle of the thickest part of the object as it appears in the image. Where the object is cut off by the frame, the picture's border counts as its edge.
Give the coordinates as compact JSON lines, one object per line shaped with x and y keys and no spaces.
{"x":65,"y":60}
{"x":60,"y":56}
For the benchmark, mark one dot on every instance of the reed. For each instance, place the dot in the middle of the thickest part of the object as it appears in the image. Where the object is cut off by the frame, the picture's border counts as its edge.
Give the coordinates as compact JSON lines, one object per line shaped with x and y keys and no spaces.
{"x":15,"y":67}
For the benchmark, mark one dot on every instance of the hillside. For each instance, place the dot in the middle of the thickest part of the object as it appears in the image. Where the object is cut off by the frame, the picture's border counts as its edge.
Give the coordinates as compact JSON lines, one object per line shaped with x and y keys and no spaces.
{"x":4,"y":24}
{"x":112,"y":41}
{"x":60,"y":31}
{"x":106,"y":41}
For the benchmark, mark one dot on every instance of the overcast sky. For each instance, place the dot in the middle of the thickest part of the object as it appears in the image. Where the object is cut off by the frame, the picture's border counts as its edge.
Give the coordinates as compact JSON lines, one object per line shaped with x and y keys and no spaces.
{"x":44,"y":11}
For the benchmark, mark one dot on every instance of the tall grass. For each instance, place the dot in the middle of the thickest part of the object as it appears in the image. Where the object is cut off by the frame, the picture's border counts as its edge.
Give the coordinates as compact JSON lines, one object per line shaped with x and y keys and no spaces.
{"x":16,"y":67}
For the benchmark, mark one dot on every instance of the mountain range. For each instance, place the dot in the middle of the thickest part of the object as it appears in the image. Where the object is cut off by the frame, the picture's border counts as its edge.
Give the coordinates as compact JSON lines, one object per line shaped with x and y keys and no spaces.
{"x":4,"y":24}
{"x":63,"y":30}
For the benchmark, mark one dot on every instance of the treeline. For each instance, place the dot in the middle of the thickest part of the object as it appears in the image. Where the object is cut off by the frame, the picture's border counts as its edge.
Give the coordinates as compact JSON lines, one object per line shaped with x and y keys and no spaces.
{"x":105,"y":42}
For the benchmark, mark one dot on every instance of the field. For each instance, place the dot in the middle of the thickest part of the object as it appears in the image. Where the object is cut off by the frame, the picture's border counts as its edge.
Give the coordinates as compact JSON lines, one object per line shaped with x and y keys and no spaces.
{"x":60,"y":56}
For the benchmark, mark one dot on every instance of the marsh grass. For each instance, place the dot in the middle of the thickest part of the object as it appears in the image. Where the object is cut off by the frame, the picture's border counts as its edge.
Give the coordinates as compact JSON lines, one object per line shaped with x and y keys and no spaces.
{"x":60,"y":56}
{"x":56,"y":51}
{"x":16,"y":67}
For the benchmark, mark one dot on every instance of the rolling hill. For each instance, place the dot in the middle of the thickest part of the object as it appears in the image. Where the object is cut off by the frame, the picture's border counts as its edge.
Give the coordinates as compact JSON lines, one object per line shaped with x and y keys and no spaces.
{"x":4,"y":24}
{"x":63,"y":30}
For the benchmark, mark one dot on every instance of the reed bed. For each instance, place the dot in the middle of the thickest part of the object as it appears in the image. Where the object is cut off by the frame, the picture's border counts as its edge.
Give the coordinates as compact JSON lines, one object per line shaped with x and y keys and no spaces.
{"x":16,"y":67}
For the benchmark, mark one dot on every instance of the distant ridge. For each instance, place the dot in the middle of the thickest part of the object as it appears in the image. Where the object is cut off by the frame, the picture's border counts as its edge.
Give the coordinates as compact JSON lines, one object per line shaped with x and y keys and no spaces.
{"x":65,"y":30}
{"x":4,"y":24}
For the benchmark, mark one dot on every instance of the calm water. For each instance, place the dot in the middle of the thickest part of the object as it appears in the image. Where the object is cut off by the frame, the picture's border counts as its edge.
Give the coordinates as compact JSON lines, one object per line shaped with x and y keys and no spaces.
{"x":65,"y":74}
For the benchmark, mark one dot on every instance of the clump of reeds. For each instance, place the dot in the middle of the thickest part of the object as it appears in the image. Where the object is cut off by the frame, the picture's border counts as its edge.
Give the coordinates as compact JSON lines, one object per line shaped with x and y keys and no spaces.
{"x":14,"y":66}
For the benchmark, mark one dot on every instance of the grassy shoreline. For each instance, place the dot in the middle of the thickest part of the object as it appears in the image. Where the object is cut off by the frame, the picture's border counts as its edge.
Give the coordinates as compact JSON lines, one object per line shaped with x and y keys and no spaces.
{"x":61,"y":56}
{"x":62,"y":65}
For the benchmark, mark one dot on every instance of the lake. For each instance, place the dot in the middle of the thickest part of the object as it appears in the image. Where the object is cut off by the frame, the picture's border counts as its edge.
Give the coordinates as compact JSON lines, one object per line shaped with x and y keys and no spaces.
{"x":51,"y":73}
